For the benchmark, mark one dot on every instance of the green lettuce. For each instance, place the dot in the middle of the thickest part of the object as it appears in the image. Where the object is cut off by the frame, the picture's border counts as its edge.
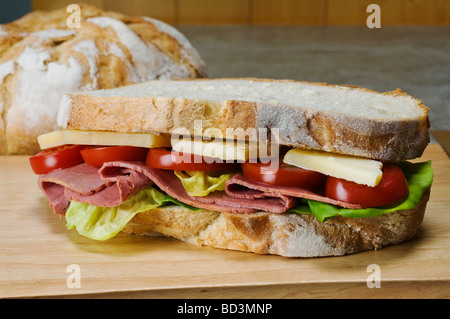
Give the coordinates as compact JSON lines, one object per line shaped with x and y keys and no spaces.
{"x":202,"y":183}
{"x":103,"y":223}
{"x":170,"y":200}
{"x":418,"y":175}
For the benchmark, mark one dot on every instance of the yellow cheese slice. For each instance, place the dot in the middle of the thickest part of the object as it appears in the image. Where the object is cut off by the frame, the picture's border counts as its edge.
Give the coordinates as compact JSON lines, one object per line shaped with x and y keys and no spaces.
{"x":227,"y":150}
{"x":102,"y":138}
{"x":355,"y":169}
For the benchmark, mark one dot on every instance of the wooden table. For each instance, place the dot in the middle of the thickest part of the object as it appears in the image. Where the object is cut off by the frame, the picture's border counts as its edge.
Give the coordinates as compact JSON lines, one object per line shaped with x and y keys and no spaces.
{"x":37,"y":253}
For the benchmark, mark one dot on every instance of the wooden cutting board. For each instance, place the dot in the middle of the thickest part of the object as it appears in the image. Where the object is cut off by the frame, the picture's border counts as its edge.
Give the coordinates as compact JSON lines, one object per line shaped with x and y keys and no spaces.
{"x":40,"y":258}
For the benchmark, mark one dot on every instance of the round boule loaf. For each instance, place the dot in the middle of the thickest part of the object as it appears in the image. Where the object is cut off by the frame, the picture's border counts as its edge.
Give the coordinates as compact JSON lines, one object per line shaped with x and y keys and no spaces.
{"x":41,"y":59}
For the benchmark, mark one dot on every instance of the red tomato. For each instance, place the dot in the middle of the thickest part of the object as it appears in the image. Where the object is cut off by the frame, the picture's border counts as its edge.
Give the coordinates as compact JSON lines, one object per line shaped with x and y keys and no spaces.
{"x":56,"y":158}
{"x":165,"y":159}
{"x":392,"y":187}
{"x":96,"y":156}
{"x":283,"y":175}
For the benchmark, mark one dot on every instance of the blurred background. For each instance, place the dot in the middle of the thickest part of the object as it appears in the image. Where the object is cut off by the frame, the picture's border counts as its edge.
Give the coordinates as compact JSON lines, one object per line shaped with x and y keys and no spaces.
{"x":257,"y":12}
{"x":311,"y":40}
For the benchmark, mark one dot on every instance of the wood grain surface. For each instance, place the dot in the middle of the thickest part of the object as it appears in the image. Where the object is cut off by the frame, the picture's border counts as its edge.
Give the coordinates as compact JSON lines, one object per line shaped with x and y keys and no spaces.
{"x":274,"y":12}
{"x":36,"y":250}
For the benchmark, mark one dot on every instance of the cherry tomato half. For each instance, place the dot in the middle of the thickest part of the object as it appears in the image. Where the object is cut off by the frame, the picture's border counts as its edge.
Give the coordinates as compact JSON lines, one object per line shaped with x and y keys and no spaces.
{"x":96,"y":156}
{"x":283,"y":175}
{"x":56,"y":158}
{"x":165,"y":159}
{"x":392,"y":187}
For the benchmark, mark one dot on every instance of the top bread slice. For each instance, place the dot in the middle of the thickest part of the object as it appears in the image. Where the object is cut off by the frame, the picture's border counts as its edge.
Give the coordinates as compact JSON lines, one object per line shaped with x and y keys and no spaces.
{"x":344,"y":119}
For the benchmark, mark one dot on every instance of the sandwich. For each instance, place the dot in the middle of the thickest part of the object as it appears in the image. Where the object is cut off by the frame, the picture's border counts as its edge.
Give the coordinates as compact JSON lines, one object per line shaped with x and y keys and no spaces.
{"x":278,"y":167}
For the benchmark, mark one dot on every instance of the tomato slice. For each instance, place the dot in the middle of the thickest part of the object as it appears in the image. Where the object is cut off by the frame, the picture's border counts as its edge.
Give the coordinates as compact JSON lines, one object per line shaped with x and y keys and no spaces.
{"x":392,"y":187}
{"x":56,"y":158}
{"x":96,"y":156}
{"x":165,"y":159}
{"x":283,"y":175}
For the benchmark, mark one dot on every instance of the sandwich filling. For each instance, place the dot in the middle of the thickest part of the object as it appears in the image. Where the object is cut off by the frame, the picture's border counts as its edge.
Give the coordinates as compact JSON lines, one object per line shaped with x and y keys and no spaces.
{"x":99,"y":189}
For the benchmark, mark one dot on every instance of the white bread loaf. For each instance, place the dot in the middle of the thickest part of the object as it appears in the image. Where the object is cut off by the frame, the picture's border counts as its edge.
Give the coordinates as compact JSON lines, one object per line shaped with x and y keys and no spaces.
{"x":388,"y":126}
{"x":41,"y":59}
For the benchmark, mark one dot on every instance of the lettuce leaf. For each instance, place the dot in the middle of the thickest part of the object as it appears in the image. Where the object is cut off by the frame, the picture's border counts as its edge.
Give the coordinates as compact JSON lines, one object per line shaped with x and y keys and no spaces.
{"x":418,"y":175}
{"x":103,"y":223}
{"x":170,"y":200}
{"x":202,"y":183}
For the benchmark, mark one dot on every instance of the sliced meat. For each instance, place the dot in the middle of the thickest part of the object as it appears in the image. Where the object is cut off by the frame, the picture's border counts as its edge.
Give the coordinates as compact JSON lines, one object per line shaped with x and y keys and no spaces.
{"x":116,"y":181}
{"x":84,"y":184}
{"x":240,"y":186}
{"x":83,"y":179}
{"x":120,"y":187}
{"x":56,"y":197}
{"x":217,"y":201}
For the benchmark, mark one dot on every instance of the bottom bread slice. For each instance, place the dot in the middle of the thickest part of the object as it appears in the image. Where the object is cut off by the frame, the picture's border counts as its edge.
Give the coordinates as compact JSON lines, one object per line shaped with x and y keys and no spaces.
{"x":288,"y":234}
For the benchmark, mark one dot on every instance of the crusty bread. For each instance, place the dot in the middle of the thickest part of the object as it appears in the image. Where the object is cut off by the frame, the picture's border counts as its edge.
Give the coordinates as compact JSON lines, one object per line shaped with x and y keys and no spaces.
{"x":289,"y":234}
{"x":41,"y":59}
{"x":391,"y":126}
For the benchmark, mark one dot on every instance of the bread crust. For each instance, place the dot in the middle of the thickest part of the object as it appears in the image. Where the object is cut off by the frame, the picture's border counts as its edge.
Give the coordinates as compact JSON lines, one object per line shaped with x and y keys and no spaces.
{"x":288,"y":234}
{"x":393,"y":140}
